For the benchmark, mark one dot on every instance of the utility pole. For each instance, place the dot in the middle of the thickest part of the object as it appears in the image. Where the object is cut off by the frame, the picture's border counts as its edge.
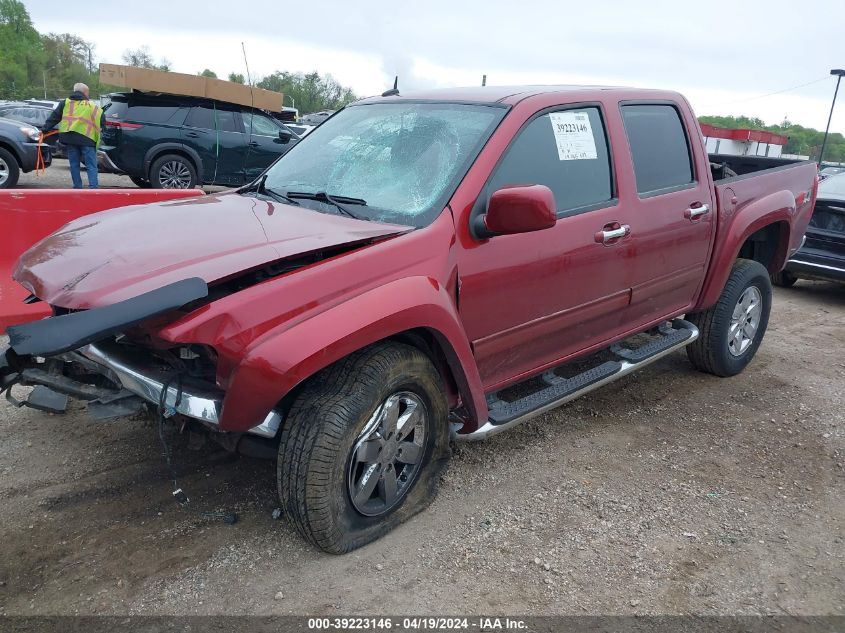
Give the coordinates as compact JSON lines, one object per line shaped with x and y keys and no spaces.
{"x":839,"y":72}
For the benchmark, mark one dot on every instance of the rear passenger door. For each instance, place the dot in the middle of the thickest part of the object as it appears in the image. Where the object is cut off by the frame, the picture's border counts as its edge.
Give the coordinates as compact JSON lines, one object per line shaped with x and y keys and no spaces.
{"x":214,"y":132}
{"x":672,"y":214}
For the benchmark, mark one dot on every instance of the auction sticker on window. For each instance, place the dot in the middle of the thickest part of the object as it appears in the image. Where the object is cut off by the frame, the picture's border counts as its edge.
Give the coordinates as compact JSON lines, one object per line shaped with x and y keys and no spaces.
{"x":573,"y":135}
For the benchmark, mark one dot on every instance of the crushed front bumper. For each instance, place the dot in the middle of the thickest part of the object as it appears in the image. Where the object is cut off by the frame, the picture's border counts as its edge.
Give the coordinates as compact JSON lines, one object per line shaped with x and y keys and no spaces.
{"x":130,"y":374}
{"x":77,"y":355}
{"x":194,"y":400}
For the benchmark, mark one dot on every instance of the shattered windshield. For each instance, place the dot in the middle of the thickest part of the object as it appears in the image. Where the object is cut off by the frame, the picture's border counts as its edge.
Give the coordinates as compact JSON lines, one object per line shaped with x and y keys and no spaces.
{"x":396,"y":162}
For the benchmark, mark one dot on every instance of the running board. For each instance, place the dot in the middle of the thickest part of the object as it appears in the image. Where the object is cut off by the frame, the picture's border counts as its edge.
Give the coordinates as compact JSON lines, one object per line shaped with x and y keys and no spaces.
{"x":558,"y":390}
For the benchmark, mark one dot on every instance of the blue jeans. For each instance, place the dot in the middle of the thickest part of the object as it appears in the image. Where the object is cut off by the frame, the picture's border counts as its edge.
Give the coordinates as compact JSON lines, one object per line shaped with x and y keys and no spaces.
{"x":89,"y":156}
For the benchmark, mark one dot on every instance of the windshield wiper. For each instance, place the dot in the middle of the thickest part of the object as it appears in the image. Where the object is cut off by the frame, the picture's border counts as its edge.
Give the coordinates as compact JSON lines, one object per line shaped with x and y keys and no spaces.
{"x":260,"y":188}
{"x":336,"y":201}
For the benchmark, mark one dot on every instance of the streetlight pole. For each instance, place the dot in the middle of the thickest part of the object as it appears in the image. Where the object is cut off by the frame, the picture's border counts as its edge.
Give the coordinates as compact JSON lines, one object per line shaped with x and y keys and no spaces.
{"x":45,"y":79}
{"x":839,"y":72}
{"x":292,"y":102}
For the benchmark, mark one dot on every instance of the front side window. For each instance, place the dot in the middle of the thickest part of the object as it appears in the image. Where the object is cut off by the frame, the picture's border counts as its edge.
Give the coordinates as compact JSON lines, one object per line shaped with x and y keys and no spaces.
{"x":260,"y":125}
{"x":404,"y":159}
{"x":567,"y":152}
{"x":659,"y":147}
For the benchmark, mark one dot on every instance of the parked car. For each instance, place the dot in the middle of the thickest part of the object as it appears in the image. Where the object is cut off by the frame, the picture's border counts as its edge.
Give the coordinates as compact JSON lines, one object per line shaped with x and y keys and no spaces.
{"x":822,"y":256}
{"x":165,"y":141}
{"x":19,"y":151}
{"x":419,"y":265}
{"x":49,"y":103}
{"x":35,"y":115}
{"x":316,"y":118}
{"x":827,"y":172}
{"x":299,"y":129}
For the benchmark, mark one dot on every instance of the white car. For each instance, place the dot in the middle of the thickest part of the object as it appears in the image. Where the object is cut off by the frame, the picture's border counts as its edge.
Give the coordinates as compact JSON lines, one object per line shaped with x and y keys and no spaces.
{"x":300,"y":129}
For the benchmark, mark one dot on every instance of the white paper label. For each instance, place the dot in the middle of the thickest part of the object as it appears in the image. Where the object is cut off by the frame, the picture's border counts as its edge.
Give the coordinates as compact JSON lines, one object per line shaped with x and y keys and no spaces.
{"x":573,"y":135}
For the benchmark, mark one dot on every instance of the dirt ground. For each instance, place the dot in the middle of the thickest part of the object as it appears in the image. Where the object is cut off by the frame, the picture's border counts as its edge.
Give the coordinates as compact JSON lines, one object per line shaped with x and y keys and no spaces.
{"x":667,"y":492}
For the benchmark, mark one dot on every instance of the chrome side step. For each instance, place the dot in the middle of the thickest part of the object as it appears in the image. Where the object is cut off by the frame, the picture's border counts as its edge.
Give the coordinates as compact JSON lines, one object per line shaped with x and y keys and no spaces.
{"x":504,"y":415}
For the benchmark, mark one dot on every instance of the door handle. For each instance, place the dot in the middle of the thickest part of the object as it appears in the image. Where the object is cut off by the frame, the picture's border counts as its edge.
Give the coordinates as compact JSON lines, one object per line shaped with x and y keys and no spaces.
{"x":608,"y":235}
{"x":192,"y":134}
{"x":253,"y":144}
{"x":696,"y":212}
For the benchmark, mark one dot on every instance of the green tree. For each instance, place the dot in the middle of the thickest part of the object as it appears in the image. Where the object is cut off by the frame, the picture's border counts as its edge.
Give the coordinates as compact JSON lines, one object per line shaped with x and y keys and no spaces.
{"x":208,"y":73}
{"x":802,"y":140}
{"x":21,"y":52}
{"x":67,"y":59}
{"x":237,"y":78}
{"x":141,"y":58}
{"x":310,"y":92}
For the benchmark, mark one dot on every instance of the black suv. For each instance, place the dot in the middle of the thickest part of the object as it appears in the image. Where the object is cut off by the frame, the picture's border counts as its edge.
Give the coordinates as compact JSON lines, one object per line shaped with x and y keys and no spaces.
{"x":172,"y":142}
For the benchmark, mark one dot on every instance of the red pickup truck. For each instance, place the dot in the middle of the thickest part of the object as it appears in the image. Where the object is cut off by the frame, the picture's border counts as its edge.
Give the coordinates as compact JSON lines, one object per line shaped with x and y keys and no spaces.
{"x":449,"y":263}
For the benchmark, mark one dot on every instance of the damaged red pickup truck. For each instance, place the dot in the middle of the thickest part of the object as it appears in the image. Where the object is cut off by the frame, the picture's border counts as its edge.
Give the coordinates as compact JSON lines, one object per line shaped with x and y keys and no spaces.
{"x":453,"y":262}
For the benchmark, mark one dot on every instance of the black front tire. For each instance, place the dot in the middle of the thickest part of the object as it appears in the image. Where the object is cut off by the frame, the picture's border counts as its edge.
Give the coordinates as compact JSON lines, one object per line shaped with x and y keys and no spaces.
{"x":10,"y":168}
{"x":173,"y":171}
{"x":323,"y":431}
{"x":711,"y":352}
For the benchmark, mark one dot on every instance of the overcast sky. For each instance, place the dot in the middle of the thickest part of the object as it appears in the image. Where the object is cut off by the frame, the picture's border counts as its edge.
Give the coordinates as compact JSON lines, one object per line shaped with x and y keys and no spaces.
{"x":723,"y":54}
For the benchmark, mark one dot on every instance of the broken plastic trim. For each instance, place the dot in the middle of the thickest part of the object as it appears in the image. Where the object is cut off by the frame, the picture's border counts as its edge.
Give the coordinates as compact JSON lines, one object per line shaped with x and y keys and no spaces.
{"x":60,"y":334}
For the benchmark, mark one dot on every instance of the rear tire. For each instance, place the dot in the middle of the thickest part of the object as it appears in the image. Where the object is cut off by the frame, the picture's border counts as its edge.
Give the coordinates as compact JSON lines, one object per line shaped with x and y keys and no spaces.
{"x":9,"y":169}
{"x":784,"y":279}
{"x":173,"y":171}
{"x":731,"y":331}
{"x":344,"y":477}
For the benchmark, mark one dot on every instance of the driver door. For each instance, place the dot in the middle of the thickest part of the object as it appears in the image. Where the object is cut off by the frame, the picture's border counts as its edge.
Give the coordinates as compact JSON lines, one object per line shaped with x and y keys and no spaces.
{"x":528,"y":300}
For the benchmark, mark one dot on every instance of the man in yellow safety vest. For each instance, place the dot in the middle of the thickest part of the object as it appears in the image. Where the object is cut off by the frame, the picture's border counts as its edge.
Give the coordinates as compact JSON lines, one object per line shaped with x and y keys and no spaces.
{"x":80,"y":123}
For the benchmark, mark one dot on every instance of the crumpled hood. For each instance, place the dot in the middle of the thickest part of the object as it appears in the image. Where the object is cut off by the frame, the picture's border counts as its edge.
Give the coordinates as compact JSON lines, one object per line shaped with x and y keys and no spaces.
{"x":114,"y":255}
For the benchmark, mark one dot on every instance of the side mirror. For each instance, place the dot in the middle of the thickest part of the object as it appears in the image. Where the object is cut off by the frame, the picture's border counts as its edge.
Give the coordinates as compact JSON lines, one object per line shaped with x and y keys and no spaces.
{"x":517,"y":210}
{"x":285,"y":136}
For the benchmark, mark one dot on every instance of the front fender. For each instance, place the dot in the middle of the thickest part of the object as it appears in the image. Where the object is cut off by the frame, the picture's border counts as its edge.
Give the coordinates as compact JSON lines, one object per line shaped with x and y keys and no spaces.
{"x":281,"y":360}
{"x":778,"y":207}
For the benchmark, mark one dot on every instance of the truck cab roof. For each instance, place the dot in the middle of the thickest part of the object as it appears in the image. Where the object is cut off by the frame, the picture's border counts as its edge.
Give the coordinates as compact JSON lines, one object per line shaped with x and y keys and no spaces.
{"x":511,"y":95}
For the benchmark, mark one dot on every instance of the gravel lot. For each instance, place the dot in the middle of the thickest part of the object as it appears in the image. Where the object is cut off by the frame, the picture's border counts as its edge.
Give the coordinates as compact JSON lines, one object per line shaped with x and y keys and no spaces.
{"x":57,"y":176}
{"x":667,"y":492}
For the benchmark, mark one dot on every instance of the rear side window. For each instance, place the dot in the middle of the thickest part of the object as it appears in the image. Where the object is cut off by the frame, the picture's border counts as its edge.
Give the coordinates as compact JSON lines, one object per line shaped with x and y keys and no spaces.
{"x":659,"y":147}
{"x":164,"y":113}
{"x":567,"y":152}
{"x":210,"y":118}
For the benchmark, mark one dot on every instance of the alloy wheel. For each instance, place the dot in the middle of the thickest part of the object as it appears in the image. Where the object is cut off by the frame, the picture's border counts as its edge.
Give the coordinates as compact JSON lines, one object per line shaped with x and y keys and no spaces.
{"x":4,"y":172}
{"x":174,"y":175}
{"x":388,"y":454}
{"x":745,"y":320}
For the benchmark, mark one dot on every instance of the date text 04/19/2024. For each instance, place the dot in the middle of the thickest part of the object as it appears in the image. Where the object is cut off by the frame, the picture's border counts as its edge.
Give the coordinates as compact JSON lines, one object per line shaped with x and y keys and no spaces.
{"x":417,"y":623}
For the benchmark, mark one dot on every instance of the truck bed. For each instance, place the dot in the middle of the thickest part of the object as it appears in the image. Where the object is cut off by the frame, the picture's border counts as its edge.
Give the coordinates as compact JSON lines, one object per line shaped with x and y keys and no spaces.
{"x":745,"y":165}
{"x":762,"y":187}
